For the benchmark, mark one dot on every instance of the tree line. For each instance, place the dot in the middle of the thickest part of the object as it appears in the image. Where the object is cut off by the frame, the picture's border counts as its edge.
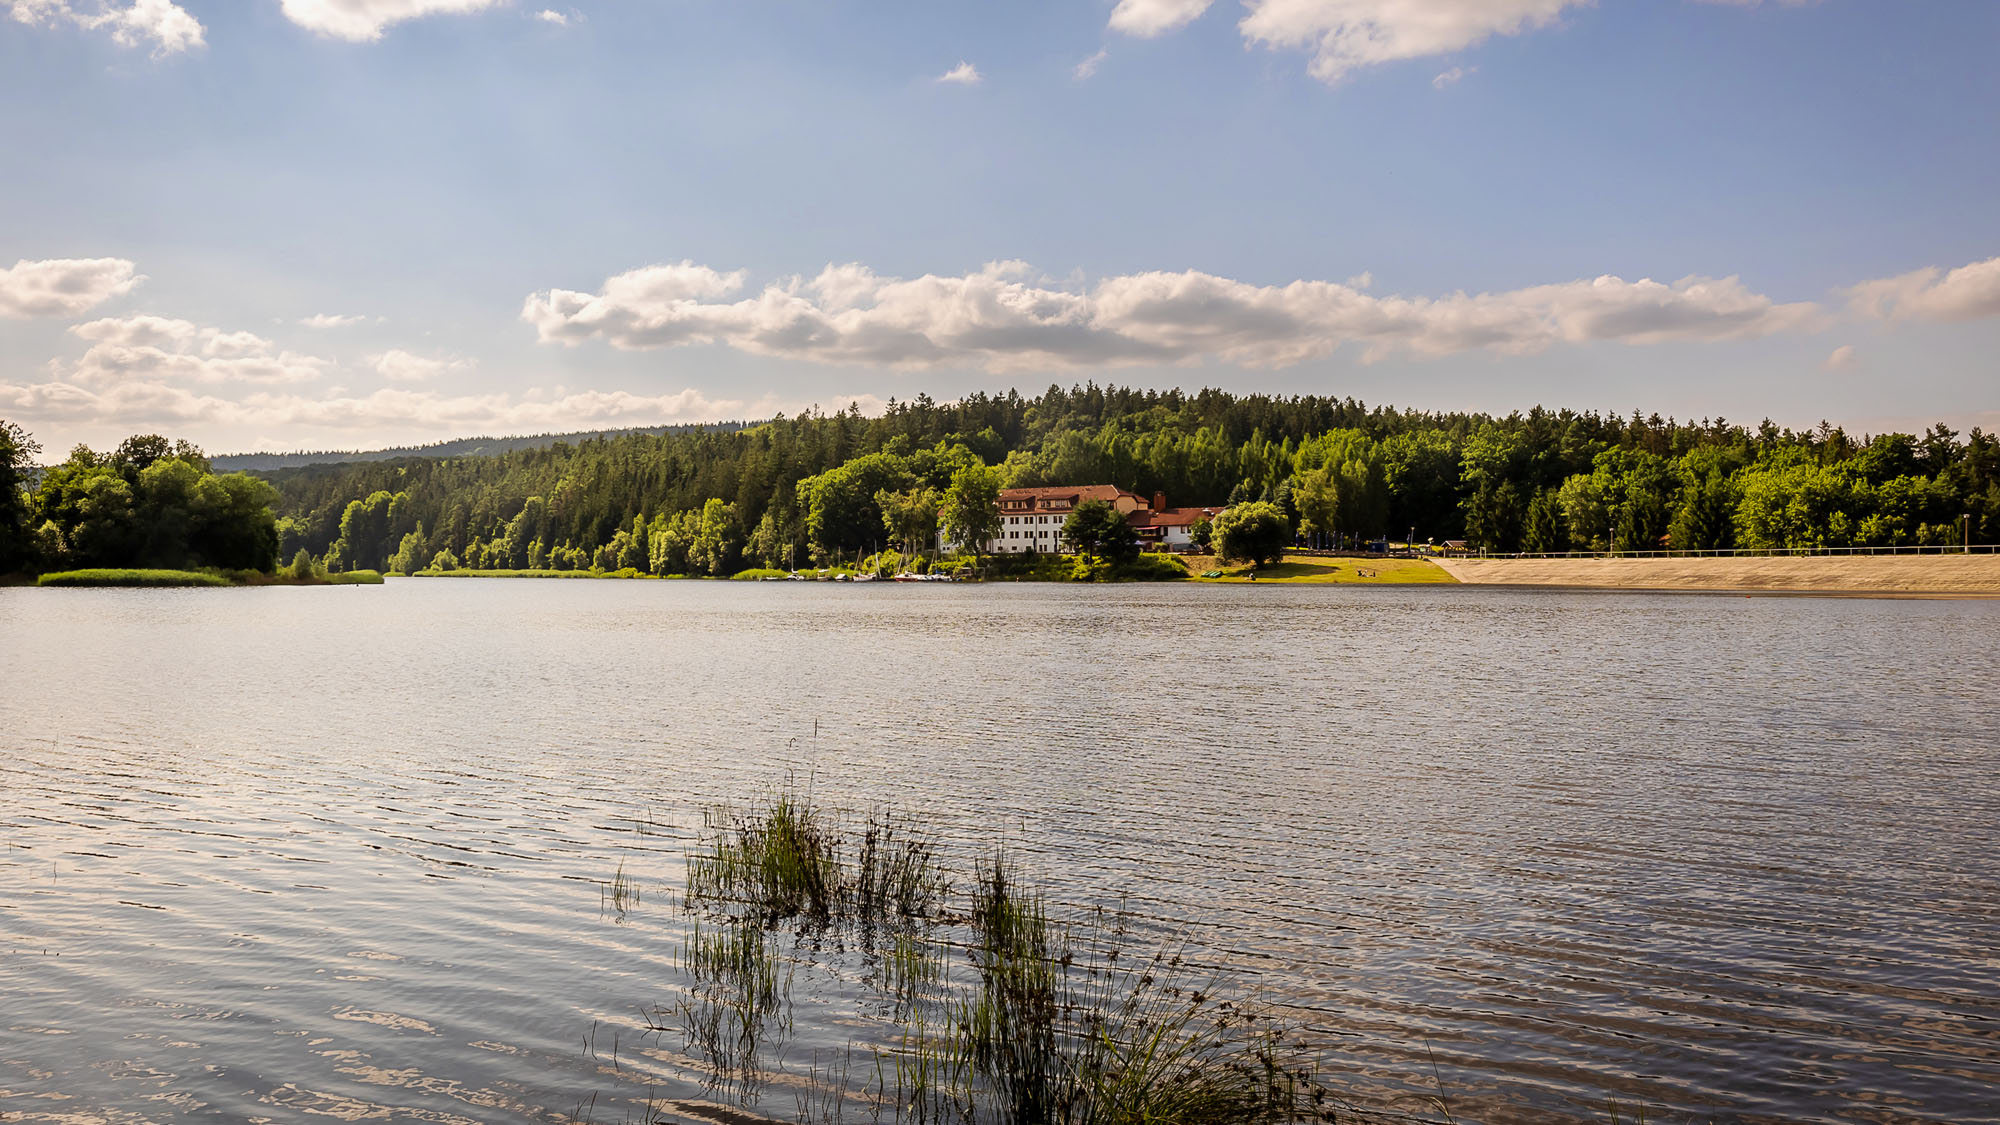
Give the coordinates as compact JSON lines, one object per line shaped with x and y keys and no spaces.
{"x":822,"y":487}
{"x":819,"y":487}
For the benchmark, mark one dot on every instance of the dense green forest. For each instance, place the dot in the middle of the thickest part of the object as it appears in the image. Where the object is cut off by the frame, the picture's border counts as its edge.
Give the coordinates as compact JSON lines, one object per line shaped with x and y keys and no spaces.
{"x":817,"y":487}
{"x":149,"y":503}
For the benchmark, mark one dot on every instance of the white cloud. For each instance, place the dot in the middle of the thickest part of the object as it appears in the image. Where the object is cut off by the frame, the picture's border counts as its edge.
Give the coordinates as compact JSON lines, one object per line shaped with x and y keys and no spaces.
{"x":399,"y":366}
{"x":1147,"y":18}
{"x":63,"y":286}
{"x":148,"y":349}
{"x":390,"y":410}
{"x":164,"y":24}
{"x":360,"y":21}
{"x":964,"y":74}
{"x":1004,"y":318}
{"x":1088,"y":67}
{"x":1966,"y":293}
{"x":1452,"y":77}
{"x":1843,"y":358}
{"x":1345,"y":35}
{"x":331,"y":320}
{"x":1362,"y":280}
{"x":550,"y":15}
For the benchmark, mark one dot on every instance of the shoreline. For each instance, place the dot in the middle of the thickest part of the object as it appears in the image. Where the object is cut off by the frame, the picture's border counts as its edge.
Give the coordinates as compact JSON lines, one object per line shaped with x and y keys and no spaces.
{"x":1881,"y":576}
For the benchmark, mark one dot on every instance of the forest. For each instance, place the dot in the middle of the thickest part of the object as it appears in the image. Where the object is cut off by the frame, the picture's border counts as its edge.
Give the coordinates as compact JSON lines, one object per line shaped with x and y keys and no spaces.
{"x":822,"y":487}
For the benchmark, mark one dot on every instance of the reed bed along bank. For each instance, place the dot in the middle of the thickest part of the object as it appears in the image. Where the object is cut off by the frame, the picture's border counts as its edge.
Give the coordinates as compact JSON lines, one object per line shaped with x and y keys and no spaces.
{"x":1001,"y":1008}
{"x":123,"y":576}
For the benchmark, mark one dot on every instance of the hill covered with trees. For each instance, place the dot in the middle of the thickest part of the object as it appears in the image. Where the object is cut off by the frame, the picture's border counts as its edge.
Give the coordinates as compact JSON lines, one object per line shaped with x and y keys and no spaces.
{"x":822,"y":486}
{"x":458,"y":447}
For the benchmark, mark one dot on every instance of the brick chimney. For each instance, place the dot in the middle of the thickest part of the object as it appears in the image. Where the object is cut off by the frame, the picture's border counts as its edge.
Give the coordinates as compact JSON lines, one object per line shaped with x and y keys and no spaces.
{"x":1159,"y":501}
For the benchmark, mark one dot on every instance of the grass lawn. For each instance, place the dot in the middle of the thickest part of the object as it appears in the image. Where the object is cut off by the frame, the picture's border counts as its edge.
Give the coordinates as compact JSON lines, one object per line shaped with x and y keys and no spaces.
{"x":121,"y":576}
{"x":1338,"y":569}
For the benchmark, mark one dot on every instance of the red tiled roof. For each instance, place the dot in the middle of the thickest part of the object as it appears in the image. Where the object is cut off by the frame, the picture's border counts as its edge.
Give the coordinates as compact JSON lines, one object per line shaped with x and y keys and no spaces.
{"x":1170,"y":517}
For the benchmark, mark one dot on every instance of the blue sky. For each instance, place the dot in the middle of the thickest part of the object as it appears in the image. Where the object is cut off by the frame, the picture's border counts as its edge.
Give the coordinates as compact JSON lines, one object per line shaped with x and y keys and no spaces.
{"x":344,"y":223}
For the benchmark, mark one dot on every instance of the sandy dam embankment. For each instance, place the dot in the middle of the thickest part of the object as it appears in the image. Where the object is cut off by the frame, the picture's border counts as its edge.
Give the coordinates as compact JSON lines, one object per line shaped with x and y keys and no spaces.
{"x":1977,"y":574}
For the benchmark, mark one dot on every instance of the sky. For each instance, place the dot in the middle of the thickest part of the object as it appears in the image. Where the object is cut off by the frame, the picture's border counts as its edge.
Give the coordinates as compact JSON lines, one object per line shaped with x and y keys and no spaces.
{"x":341,"y":224}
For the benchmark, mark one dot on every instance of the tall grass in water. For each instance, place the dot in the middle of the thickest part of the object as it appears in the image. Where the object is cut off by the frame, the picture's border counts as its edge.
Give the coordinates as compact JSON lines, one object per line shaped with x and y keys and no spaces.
{"x":1059,"y":1031}
{"x":618,"y":895}
{"x":741,"y":999}
{"x":897,"y":877}
{"x":1053,"y":1025}
{"x":782,"y":861}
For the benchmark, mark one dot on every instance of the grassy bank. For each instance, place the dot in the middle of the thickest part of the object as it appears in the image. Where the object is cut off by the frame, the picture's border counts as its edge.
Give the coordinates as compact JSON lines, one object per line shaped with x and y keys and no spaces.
{"x":1084,"y":568}
{"x":628,"y":572}
{"x":128,"y":576}
{"x":109,"y":576}
{"x":1342,"y":570}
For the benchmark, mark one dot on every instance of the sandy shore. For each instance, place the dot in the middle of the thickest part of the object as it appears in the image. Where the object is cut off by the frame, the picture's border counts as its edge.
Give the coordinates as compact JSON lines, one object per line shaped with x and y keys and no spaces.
{"x":1845,"y":574}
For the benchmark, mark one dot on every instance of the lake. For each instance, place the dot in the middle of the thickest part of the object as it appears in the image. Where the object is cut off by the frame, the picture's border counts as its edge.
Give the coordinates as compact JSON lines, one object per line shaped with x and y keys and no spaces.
{"x":1513,"y":855}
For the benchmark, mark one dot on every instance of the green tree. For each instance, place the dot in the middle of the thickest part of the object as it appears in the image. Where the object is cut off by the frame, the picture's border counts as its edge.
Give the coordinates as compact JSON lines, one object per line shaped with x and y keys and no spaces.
{"x":1547,"y":531}
{"x":17,"y":462}
{"x":364,"y":533}
{"x":106,"y":531}
{"x":233,"y":524}
{"x":1493,"y":517}
{"x":668,"y":541}
{"x":971,"y":509}
{"x":718,"y":540}
{"x":1705,"y":520}
{"x":1094,"y":527}
{"x":1586,"y":511}
{"x":528,"y":526}
{"x":1256,"y":532}
{"x":910,"y":517}
{"x":1645,"y":511}
{"x":1317,"y":495}
{"x":1421,"y":477}
{"x":841,"y":512}
{"x":409,"y":556}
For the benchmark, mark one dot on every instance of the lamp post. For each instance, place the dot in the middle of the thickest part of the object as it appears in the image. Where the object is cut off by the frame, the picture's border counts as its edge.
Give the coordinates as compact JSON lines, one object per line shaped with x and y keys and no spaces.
{"x":1966,"y":519}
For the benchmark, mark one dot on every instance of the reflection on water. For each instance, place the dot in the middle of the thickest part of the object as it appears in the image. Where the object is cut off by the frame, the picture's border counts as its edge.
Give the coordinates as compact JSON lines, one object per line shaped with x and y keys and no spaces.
{"x":415,"y":850}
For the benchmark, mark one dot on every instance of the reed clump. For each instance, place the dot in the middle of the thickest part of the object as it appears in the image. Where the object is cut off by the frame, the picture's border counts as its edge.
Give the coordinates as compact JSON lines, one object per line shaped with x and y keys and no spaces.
{"x":619,"y":895}
{"x":1052,"y":1024}
{"x":782,"y":860}
{"x":741,"y":1000}
{"x":1061,"y":1030}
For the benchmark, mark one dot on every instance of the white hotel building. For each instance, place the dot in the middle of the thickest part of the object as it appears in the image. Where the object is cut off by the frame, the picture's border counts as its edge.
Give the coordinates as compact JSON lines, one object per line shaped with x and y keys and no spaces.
{"x":1031,"y":519}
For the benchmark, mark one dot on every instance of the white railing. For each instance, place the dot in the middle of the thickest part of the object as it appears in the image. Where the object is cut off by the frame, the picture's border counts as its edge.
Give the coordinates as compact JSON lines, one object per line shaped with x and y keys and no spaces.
{"x":1771,"y":552}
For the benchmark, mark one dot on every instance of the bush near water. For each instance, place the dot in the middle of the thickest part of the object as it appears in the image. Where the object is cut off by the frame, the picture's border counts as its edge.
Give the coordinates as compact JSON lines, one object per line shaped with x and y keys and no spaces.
{"x":135,"y":516}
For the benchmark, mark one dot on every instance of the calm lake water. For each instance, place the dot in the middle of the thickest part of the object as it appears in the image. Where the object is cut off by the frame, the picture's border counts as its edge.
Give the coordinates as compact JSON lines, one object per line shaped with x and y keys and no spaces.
{"x":344,"y":852}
